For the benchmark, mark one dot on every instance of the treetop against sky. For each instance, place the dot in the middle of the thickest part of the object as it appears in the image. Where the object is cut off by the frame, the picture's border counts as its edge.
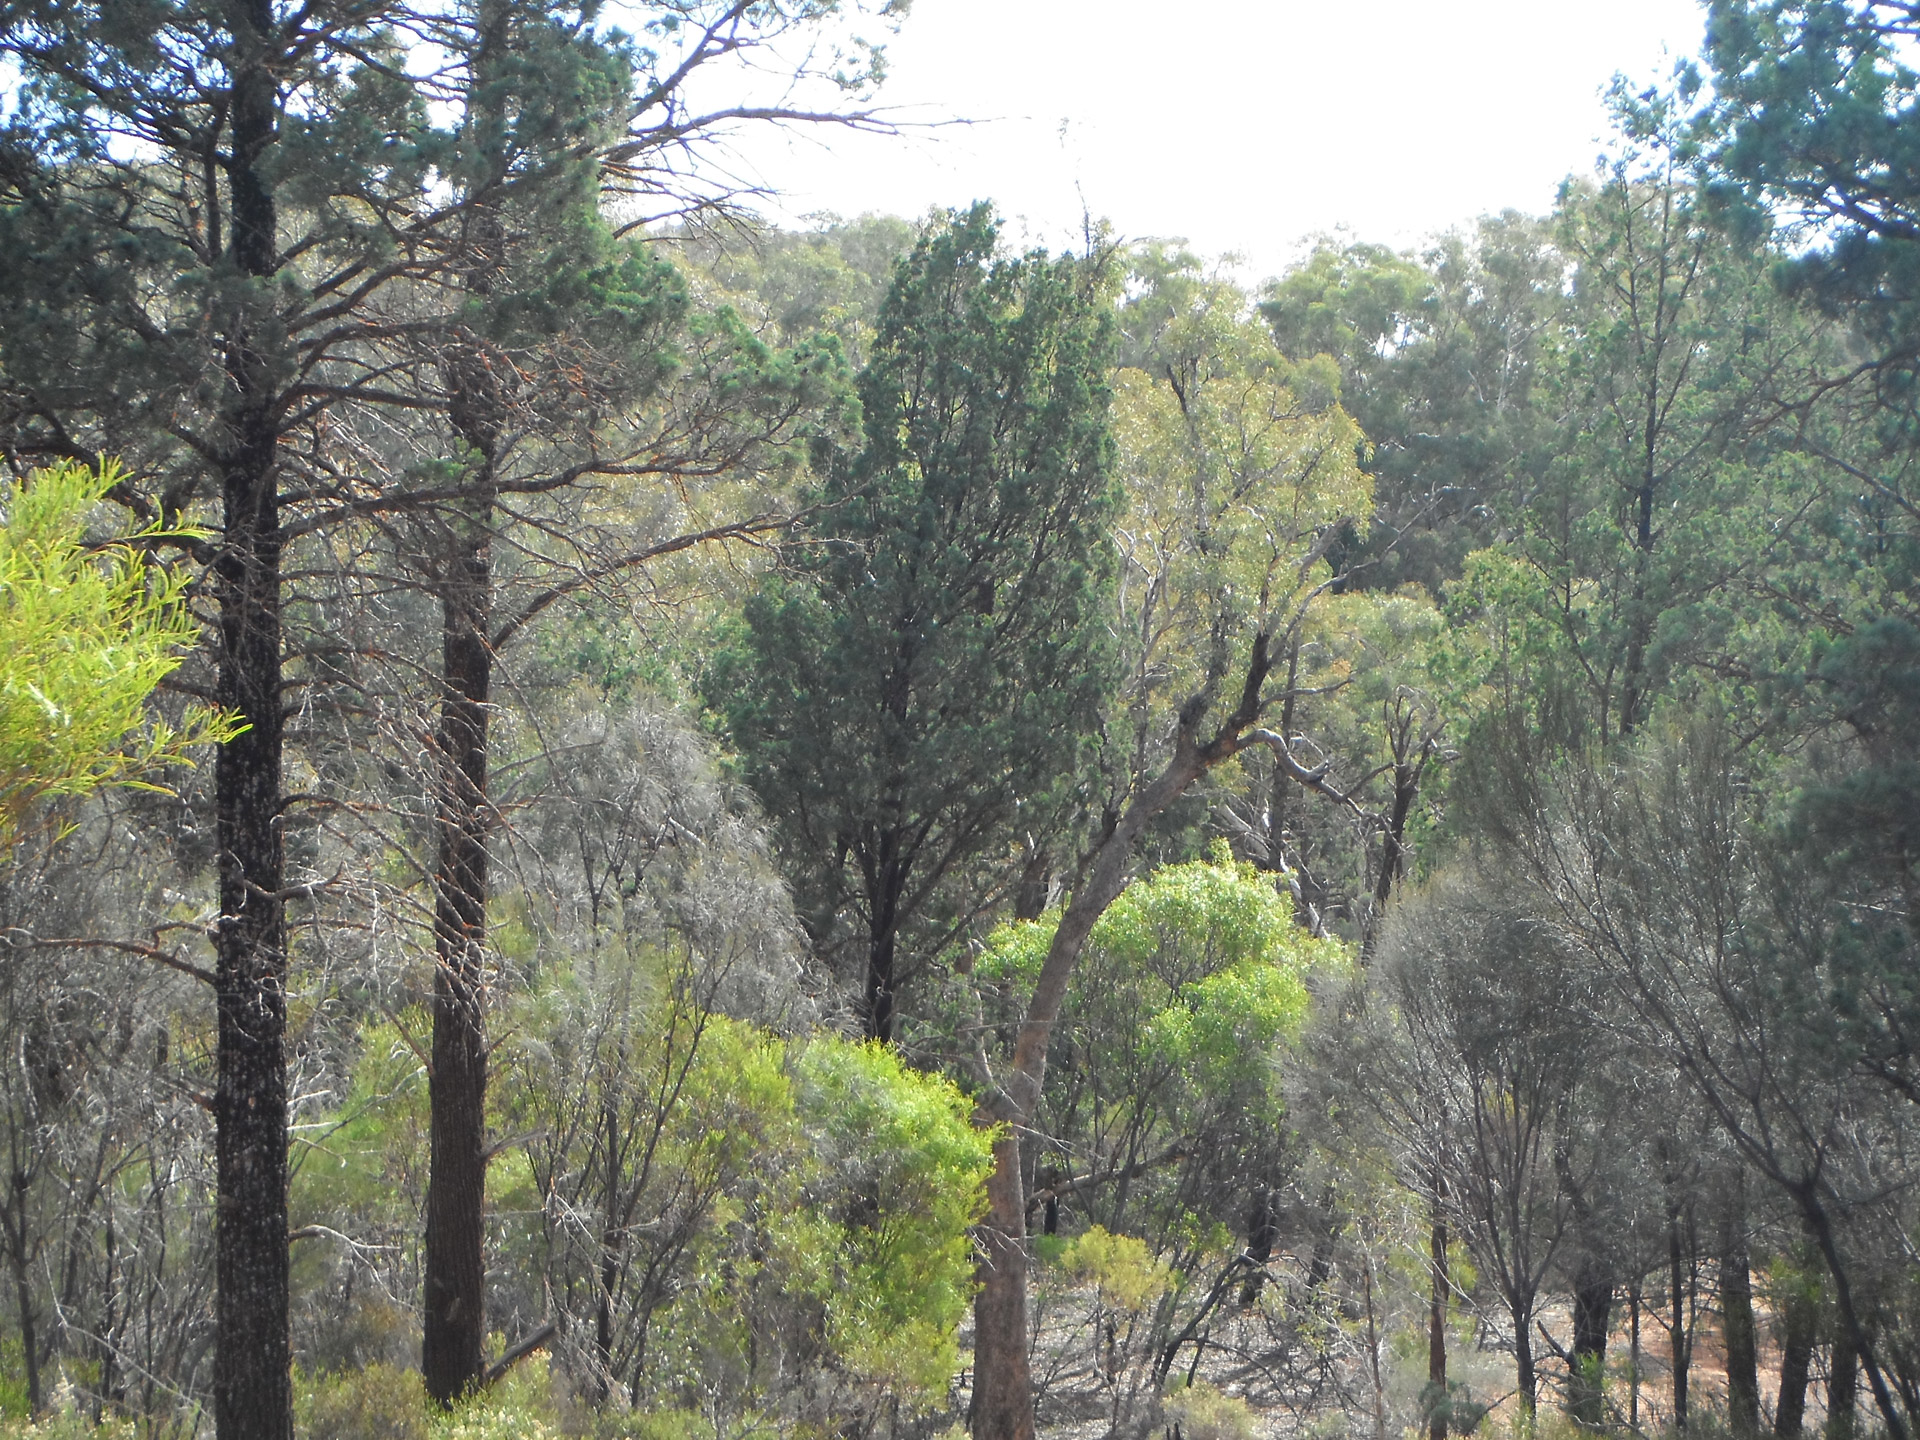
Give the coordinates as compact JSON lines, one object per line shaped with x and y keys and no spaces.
{"x":1242,"y":126}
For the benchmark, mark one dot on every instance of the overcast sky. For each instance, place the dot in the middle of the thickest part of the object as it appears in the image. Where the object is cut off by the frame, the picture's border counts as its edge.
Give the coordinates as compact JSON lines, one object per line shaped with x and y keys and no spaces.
{"x":1242,"y":125}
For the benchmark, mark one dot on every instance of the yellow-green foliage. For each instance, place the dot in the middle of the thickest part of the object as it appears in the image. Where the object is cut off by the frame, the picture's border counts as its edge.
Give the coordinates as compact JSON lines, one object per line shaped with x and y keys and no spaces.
{"x":1220,"y":922}
{"x":1204,"y":1413}
{"x":86,"y":633}
{"x":791,"y":1205}
{"x":1121,"y":1267}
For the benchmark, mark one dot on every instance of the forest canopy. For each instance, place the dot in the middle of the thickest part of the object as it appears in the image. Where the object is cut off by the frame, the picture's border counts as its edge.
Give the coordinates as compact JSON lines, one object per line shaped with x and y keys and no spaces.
{"x":617,"y":820}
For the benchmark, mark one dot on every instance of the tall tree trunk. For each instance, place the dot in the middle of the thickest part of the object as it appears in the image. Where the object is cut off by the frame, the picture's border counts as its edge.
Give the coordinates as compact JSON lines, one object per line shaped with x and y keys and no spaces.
{"x":1736,"y":1312}
{"x":1587,"y":1366}
{"x":453,"y":1302}
{"x":1799,"y":1330}
{"x":252,"y":1380}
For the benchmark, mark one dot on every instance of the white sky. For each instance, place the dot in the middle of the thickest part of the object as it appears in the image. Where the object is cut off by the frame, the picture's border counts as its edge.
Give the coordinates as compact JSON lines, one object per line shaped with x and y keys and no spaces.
{"x":1242,"y":125}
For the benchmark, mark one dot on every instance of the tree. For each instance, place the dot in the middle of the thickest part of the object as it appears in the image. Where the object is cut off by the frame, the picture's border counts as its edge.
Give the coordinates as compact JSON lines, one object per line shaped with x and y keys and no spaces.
{"x":916,"y":690}
{"x":214,"y":213}
{"x":86,"y":632}
{"x":1242,"y":473}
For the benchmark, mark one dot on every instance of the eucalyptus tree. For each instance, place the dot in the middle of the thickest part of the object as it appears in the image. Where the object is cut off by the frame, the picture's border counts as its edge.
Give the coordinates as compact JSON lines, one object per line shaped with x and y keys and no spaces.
{"x":1241,"y":472}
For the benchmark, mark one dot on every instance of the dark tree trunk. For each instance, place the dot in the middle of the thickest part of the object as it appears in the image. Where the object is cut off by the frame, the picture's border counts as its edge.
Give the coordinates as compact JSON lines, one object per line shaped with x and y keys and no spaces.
{"x":1526,"y":1383}
{"x":1736,"y":1312}
{"x":454,"y":1303}
{"x":1843,"y":1385}
{"x":876,"y":1001}
{"x":1633,"y":1355}
{"x":252,"y":1383}
{"x":1260,"y":1234}
{"x":253,"y":1395}
{"x":1587,"y":1367}
{"x":1678,"y":1333}
{"x":16,"y":1222}
{"x":1800,"y":1325}
{"x":1437,"y":1312}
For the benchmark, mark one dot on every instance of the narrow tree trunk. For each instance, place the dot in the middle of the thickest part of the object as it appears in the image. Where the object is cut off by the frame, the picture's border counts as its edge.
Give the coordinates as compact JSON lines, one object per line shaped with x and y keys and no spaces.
{"x":1679,"y":1337}
{"x":1587,"y":1368}
{"x":1736,"y":1311}
{"x":252,"y":1380}
{"x":1437,"y":1311}
{"x":1800,"y":1324}
{"x":1633,"y":1355}
{"x":877,"y":998}
{"x":16,"y":1220}
{"x":1260,"y":1234}
{"x":1003,"y":1391}
{"x":1003,"y":1397}
{"x":1526,"y":1383}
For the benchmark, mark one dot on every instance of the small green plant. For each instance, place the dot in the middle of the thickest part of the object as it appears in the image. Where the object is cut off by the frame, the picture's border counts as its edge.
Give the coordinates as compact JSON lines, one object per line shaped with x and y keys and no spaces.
{"x":373,"y":1402}
{"x":1204,"y":1413}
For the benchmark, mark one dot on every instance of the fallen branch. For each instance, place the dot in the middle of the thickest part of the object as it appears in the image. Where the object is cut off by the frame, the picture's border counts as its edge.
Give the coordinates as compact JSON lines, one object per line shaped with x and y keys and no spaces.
{"x":538,"y":1340}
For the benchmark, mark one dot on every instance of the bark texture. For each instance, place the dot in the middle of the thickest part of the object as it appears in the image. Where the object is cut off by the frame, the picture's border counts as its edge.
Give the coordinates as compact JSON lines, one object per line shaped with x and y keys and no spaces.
{"x":252,"y":1385}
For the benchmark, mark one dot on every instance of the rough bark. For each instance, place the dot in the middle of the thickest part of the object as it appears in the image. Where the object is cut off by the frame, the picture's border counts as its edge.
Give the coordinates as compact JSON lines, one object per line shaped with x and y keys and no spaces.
{"x":1800,"y":1323}
{"x":453,"y":1302}
{"x":252,"y":1383}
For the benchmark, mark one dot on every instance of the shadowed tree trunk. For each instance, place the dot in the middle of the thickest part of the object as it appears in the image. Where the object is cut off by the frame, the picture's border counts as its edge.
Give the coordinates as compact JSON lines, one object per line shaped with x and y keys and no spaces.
{"x":1587,"y":1367}
{"x":1679,"y":1337}
{"x":1799,"y":1329}
{"x":1843,"y":1385}
{"x":1736,"y":1310}
{"x":453,"y":1308}
{"x":1437,"y":1311}
{"x":252,"y":1381}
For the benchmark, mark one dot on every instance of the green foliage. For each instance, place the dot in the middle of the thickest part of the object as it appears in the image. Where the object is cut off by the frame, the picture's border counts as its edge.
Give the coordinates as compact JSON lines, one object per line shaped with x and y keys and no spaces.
{"x":87,"y":630}
{"x":1122,"y":1268}
{"x":926,"y":677}
{"x":774,"y":1203}
{"x":375,"y":1402}
{"x":1205,"y":1413}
